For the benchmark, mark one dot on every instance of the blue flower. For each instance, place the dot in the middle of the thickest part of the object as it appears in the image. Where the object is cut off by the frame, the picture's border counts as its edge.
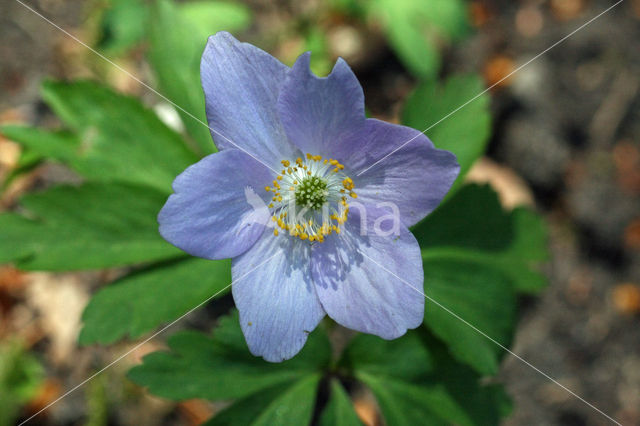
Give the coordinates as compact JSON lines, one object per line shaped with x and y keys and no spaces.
{"x":283,"y":198}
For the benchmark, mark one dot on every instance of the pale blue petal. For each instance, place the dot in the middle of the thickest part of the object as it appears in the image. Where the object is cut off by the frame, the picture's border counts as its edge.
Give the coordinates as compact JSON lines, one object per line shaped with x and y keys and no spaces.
{"x":370,"y":283}
{"x":241,"y":85}
{"x":415,"y":178}
{"x":216,"y":211}
{"x":274,"y":292}
{"x":319,"y":114}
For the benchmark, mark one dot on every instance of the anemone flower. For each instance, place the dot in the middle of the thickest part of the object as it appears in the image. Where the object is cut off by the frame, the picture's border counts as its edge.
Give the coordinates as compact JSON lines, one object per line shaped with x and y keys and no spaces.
{"x":286,"y":199}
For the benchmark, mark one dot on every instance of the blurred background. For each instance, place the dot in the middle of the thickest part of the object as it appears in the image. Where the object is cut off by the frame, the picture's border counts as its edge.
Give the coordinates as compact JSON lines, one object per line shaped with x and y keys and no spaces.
{"x":565,"y":140}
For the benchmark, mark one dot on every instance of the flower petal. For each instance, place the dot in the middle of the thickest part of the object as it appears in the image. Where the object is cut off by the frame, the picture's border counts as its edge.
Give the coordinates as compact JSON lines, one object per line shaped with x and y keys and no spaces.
{"x":370,"y":283}
{"x":217,"y":210}
{"x":276,"y":297}
{"x":241,"y":85}
{"x":415,"y":178}
{"x":320,"y":113}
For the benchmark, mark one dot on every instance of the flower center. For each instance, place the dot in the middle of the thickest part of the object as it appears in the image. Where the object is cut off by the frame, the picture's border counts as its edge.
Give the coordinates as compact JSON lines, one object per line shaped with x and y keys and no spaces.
{"x":311,"y":192}
{"x":310,"y":198}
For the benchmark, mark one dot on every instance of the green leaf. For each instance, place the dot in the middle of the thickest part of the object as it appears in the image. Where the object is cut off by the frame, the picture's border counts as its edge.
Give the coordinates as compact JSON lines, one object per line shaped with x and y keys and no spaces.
{"x":122,"y":26}
{"x":482,"y":297}
{"x":407,"y":404}
{"x":465,"y":132}
{"x":472,"y":227}
{"x":289,"y":404}
{"x":60,"y":146}
{"x":417,"y":28}
{"x":416,"y":382}
{"x":119,"y":139}
{"x":420,"y":55}
{"x":392,"y":371}
{"x":209,"y":17}
{"x":178,"y":35}
{"x":221,"y":366}
{"x":174,"y":54}
{"x":339,"y":410}
{"x":87,"y":227}
{"x":476,"y":256}
{"x":315,"y":40}
{"x":130,"y":307}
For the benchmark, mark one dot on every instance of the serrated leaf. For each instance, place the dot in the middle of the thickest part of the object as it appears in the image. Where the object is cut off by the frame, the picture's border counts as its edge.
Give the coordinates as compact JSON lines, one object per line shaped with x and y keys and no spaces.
{"x":465,"y":132}
{"x":289,"y":404}
{"x":221,"y":366}
{"x":472,"y":227}
{"x":142,"y":301}
{"x":433,"y":390}
{"x":418,"y":28}
{"x":177,"y":37}
{"x":339,"y":410}
{"x":87,"y":227}
{"x":120,"y":140}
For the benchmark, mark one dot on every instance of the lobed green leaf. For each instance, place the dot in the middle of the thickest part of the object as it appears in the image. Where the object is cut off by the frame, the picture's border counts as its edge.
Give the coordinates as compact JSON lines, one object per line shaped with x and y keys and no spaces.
{"x":117,"y":139}
{"x":288,"y":404}
{"x":483,"y":298}
{"x":221,"y":367}
{"x":473,"y":228}
{"x":476,"y":258}
{"x":86,"y":227}
{"x":416,"y":381}
{"x":142,"y":301}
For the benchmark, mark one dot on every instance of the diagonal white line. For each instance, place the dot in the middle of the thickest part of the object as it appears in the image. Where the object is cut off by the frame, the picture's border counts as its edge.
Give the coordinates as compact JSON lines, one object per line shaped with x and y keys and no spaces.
{"x":145,"y":84}
{"x":563,"y":39}
{"x":495,"y":341}
{"x":79,"y":385}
